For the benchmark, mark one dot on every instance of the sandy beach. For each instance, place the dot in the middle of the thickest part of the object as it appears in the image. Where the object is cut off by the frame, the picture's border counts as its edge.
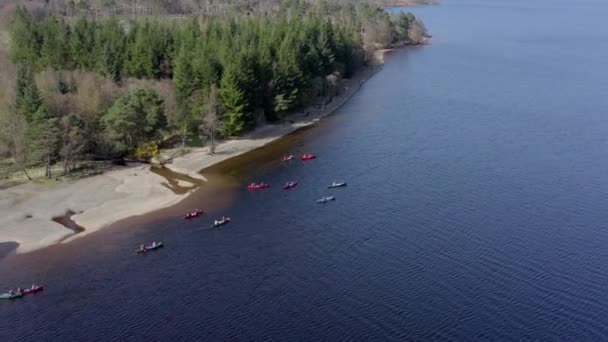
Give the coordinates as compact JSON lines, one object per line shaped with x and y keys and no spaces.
{"x":27,"y":210}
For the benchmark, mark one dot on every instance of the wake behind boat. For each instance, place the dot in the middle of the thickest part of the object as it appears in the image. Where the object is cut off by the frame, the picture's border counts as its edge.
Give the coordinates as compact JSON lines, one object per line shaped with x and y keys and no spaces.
{"x":326,"y":199}
{"x":287,"y":158}
{"x":336,"y":185}
{"x":144,"y":249}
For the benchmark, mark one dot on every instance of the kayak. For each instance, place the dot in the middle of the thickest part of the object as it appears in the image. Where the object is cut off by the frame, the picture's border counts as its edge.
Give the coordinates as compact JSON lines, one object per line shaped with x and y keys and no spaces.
{"x":10,"y":296}
{"x":36,"y":289}
{"x":193,"y":214}
{"x":337,"y":185}
{"x":290,"y":185}
{"x":222,"y":222}
{"x":326,"y":199}
{"x":258,"y":186}
{"x":150,"y":248}
{"x":287,"y":158}
{"x":308,"y":156}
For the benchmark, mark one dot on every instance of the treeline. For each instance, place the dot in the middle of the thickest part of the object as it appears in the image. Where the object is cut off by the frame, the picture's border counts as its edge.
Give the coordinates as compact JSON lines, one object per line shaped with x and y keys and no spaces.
{"x":206,"y":75}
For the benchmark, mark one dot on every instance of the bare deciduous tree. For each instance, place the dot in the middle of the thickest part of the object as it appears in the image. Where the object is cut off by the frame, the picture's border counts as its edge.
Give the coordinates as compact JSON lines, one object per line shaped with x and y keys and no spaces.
{"x":210,"y":121}
{"x":72,"y":141}
{"x":16,"y":127}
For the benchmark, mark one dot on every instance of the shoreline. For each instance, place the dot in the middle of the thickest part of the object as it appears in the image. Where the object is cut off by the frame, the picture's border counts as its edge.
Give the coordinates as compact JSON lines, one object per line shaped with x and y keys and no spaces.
{"x":27,"y":210}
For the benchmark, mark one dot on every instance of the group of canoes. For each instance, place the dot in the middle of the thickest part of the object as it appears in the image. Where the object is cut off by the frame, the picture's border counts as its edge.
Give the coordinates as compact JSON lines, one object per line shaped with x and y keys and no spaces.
{"x":253,"y":186}
{"x":293,"y":184}
{"x":196,"y":213}
{"x":305,"y":156}
{"x":191,"y":215}
{"x":22,"y":292}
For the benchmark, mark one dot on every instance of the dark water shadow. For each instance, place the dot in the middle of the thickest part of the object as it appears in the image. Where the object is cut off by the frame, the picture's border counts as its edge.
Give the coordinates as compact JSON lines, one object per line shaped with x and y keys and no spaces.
{"x":173,"y":179}
{"x":66,"y":221}
{"x":6,"y":248}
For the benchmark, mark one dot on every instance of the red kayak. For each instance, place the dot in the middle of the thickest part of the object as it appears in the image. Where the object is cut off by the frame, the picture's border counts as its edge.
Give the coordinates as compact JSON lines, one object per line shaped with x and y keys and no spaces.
{"x":35,"y":289}
{"x":254,"y":186}
{"x":290,"y":185}
{"x":193,"y":214}
{"x":308,"y":156}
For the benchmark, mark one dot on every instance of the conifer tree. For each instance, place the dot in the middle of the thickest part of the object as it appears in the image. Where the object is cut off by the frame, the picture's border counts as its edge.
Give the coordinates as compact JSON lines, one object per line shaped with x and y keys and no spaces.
{"x":24,"y":43}
{"x":27,"y":96}
{"x":235,"y":120}
{"x":54,"y":35}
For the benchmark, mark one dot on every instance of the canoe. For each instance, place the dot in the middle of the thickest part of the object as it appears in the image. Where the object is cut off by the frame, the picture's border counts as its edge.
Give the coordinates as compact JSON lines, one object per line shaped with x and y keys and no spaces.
{"x":258,"y":186}
{"x":308,"y":157}
{"x":290,"y":185}
{"x":194,"y":214}
{"x":221,"y":222}
{"x":150,"y":248}
{"x":10,"y":296}
{"x":336,"y":185}
{"x":326,"y":199}
{"x":290,"y":157}
{"x":32,"y":291}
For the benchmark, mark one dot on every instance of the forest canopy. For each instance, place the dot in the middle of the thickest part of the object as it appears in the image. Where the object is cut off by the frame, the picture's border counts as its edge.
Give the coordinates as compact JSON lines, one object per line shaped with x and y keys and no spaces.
{"x":111,"y":86}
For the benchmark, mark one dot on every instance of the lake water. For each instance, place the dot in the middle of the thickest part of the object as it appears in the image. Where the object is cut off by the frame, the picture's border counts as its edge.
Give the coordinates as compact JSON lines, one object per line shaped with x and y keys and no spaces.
{"x":476,"y":209}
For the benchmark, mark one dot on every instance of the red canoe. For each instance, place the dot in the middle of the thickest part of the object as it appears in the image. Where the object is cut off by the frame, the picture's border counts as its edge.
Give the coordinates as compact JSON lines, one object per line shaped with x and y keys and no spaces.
{"x":258,"y":186}
{"x":308,"y":156}
{"x":194,"y":214}
{"x":31,"y":291}
{"x":290,"y":185}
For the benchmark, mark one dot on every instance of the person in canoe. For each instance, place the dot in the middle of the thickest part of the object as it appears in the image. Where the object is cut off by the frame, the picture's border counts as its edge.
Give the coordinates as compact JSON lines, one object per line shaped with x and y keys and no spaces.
{"x":142,"y":248}
{"x":33,"y":287}
{"x":11,"y":292}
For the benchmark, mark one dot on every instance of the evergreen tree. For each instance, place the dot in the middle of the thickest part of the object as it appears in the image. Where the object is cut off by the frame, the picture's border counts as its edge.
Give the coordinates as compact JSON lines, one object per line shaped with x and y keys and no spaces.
{"x":55,"y":36}
{"x":27,"y":96}
{"x":183,"y":75}
{"x":134,"y":119}
{"x":110,"y":47}
{"x":24,"y":43}
{"x":141,"y":53}
{"x":235,"y":120}
{"x":82,"y":40}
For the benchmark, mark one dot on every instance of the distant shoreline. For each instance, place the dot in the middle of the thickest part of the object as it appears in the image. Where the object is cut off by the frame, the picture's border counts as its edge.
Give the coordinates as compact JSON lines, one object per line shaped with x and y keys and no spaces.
{"x":409,"y":3}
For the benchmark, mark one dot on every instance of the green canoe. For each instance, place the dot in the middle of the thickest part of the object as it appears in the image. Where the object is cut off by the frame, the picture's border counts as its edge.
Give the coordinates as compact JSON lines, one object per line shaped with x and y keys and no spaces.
{"x":10,"y":296}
